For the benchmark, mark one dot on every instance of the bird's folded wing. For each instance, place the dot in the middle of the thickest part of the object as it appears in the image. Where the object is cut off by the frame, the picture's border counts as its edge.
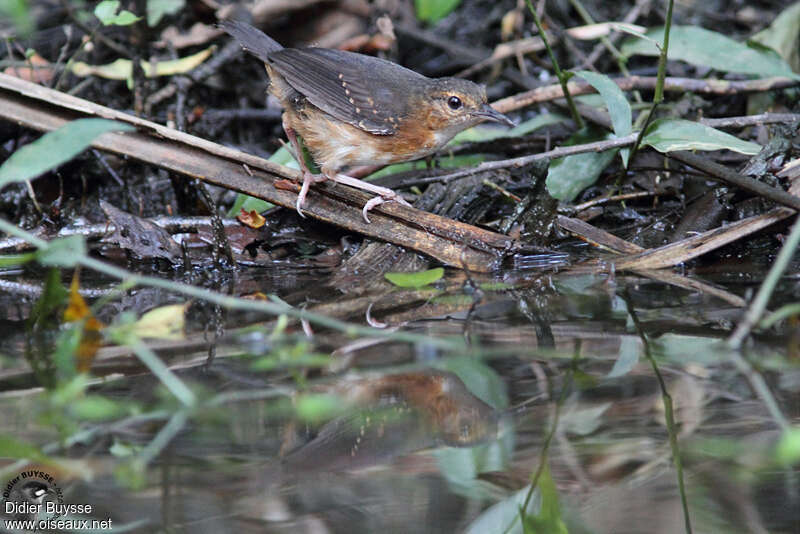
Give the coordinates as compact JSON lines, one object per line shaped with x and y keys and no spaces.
{"x":367,"y":92}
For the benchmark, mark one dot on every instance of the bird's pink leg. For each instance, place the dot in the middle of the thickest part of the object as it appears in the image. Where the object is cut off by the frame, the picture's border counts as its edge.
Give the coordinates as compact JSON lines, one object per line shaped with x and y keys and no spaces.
{"x":308,"y":176}
{"x":384,"y":193}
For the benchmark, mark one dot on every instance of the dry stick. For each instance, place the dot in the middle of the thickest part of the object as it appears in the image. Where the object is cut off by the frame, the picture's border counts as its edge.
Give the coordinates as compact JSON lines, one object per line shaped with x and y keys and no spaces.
{"x":200,"y":73}
{"x":596,"y":236}
{"x":173,"y":225}
{"x":751,"y":120}
{"x":609,"y":241}
{"x":450,"y":242}
{"x":605,"y":200}
{"x":722,"y":173}
{"x":697,"y":245}
{"x":459,"y":51}
{"x":630,"y":18}
{"x":605,"y":41}
{"x":683,"y":250}
{"x":710,"y":86}
{"x":516,"y":163}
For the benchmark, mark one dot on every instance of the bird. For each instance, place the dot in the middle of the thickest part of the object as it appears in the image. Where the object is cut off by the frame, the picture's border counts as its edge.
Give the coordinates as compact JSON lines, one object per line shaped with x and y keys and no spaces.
{"x":354,"y":110}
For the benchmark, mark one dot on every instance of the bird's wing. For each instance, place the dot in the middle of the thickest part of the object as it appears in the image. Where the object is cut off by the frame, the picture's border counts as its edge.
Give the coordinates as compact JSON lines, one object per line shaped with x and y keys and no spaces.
{"x":367,"y":92}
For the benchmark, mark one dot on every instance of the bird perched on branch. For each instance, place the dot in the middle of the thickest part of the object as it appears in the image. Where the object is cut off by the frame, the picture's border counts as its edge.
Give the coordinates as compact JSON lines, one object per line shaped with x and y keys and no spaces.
{"x":351,"y":109}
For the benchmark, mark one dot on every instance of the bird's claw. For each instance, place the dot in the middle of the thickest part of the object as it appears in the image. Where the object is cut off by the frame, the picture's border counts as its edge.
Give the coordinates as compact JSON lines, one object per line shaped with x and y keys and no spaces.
{"x":308,"y":179}
{"x":390,"y":196}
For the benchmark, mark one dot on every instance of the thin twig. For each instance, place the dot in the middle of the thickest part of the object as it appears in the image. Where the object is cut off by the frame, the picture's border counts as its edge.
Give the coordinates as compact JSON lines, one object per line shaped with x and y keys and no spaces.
{"x":680,"y":85}
{"x":516,"y":163}
{"x":722,"y":173}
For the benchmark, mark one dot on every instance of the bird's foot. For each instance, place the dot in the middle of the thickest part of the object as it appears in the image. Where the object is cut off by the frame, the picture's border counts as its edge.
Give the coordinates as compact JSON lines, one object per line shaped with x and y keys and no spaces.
{"x":308,"y":179}
{"x":377,"y":201}
{"x":384,"y":193}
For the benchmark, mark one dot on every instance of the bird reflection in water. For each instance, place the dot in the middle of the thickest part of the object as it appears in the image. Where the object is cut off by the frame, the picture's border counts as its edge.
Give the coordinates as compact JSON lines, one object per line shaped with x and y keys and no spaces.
{"x":393,"y":415}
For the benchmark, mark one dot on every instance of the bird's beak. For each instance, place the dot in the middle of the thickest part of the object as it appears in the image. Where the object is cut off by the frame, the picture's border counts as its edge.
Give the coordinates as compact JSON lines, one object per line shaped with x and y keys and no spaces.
{"x":492,"y":114}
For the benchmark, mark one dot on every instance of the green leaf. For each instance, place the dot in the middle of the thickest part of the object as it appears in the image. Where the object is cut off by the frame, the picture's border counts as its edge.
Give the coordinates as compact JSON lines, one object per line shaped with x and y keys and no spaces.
{"x":15,"y":260}
{"x":68,"y":392}
{"x":315,"y":408}
{"x":13,"y":448}
{"x":568,"y":176}
{"x":62,"y":252}
{"x":617,"y":105}
{"x":668,"y":135}
{"x":55,"y":148}
{"x":66,"y":350}
{"x":504,"y":516}
{"x":433,"y":10}
{"x":630,"y":350}
{"x":156,"y":9}
{"x":673,"y":348}
{"x":480,"y":379}
{"x":122,"y":449}
{"x":548,"y":520}
{"x":122,"y":69}
{"x":96,"y":408}
{"x":788,"y":450}
{"x":783,"y":36}
{"x":415,"y":280}
{"x":710,"y":49}
{"x":164,"y":322}
{"x":19,"y":13}
{"x":583,"y":421}
{"x":106,"y":11}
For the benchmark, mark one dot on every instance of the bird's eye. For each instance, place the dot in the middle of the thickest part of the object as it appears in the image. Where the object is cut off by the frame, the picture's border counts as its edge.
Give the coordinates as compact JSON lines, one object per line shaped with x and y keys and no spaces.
{"x":454,"y":102}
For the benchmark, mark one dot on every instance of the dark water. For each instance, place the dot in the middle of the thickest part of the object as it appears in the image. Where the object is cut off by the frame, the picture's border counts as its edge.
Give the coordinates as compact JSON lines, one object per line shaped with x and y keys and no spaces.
{"x":511,"y":378}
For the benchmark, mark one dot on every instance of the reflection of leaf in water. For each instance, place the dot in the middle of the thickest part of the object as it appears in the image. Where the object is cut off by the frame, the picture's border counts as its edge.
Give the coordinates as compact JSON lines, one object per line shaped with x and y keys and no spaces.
{"x":499,"y":516}
{"x":583,"y":421}
{"x":542,"y":515}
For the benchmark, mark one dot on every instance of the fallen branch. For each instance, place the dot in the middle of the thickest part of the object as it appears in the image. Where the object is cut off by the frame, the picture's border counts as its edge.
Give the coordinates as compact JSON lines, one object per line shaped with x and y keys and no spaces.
{"x":681,"y":251}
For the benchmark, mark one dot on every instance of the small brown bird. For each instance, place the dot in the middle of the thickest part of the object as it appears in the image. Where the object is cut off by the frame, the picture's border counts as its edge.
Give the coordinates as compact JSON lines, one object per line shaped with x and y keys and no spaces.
{"x":351,"y":109}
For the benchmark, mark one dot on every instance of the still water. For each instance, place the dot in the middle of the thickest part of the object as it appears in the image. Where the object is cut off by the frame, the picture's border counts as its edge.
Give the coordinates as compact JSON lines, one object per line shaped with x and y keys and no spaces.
{"x":543,"y":389}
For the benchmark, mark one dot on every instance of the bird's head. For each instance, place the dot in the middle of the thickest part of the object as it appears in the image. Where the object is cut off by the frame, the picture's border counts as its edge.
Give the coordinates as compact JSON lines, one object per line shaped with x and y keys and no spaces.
{"x":453,"y":105}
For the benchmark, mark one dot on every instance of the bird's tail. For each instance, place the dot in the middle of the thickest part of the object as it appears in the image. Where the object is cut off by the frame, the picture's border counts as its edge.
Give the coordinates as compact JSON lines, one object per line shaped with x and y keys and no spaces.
{"x":252,"y":39}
